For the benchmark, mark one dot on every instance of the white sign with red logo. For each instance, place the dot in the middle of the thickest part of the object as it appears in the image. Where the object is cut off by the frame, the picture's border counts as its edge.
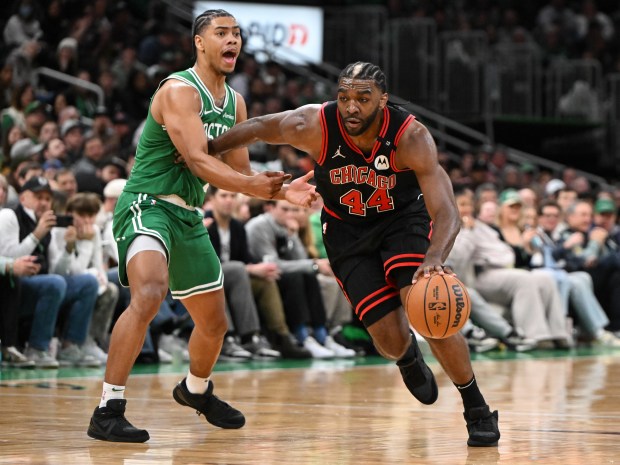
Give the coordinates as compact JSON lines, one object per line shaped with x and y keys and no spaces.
{"x":293,"y":33}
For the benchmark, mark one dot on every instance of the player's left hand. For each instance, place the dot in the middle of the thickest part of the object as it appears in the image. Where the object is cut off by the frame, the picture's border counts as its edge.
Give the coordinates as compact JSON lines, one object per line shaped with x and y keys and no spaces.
{"x":425,"y":270}
{"x":300,"y":192}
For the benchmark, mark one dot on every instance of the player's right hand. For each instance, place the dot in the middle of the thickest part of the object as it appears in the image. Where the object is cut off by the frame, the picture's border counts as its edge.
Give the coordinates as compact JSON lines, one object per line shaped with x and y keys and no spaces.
{"x":267,"y":184}
{"x":300,"y":192}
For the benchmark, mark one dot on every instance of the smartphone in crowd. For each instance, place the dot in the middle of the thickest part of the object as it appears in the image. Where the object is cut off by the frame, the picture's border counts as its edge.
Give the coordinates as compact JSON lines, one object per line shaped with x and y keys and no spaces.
{"x":63,"y":221}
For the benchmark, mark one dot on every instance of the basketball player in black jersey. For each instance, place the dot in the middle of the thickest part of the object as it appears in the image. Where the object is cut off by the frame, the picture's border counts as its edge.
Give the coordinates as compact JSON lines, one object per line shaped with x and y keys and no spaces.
{"x":389,"y":219}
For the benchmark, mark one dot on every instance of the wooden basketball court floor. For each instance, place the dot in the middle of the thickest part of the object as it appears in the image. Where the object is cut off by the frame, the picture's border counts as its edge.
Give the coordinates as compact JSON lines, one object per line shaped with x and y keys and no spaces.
{"x":553,"y":409}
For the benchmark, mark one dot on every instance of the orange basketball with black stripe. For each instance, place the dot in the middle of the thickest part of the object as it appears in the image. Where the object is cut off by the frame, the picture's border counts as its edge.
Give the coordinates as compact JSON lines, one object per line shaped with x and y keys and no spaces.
{"x":438,"y":306}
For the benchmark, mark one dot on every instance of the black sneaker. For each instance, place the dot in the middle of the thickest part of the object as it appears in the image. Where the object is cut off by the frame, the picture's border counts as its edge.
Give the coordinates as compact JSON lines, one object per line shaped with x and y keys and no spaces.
{"x":216,"y":411}
{"x":482,"y":427}
{"x":418,"y":377}
{"x":109,"y":424}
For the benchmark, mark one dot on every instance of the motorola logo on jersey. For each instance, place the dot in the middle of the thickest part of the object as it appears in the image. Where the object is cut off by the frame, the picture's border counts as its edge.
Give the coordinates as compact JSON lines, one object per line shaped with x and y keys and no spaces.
{"x":382,"y":163}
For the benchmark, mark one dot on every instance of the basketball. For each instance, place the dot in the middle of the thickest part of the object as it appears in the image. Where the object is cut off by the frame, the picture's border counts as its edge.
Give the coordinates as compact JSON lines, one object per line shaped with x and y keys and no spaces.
{"x":438,"y":306}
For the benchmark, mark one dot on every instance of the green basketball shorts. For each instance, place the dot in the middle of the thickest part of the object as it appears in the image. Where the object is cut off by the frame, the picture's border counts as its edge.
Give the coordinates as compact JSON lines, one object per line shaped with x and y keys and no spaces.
{"x":193,"y":265}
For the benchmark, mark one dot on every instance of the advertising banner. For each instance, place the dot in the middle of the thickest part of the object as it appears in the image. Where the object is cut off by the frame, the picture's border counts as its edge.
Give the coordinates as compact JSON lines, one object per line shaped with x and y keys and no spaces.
{"x":293,"y":33}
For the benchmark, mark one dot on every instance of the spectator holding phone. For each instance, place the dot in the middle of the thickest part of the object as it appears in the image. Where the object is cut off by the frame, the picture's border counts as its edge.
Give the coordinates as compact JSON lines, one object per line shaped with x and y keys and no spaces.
{"x":25,"y":230}
{"x":76,"y":249}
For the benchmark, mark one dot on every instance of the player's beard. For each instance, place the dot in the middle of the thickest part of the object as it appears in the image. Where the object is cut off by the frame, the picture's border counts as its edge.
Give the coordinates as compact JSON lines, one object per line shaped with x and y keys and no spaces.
{"x":364,"y":124}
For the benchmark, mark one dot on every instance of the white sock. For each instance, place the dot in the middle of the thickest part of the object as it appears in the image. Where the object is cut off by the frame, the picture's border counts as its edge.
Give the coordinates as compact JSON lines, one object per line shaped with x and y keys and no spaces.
{"x":196,"y":385}
{"x":111,"y":391}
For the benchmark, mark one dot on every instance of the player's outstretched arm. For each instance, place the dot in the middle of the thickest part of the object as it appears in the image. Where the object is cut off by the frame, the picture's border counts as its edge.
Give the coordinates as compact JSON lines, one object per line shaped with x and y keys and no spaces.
{"x":177,"y":105}
{"x":299,"y":128}
{"x":417,"y":151}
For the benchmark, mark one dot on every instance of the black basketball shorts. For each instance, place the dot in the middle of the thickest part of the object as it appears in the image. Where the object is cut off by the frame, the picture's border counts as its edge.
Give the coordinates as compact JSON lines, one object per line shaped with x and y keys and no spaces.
{"x":373,"y":262}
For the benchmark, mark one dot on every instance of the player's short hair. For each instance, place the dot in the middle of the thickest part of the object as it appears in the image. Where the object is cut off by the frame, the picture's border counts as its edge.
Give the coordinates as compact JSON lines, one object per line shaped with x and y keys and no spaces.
{"x":203,"y":20}
{"x":365,"y":71}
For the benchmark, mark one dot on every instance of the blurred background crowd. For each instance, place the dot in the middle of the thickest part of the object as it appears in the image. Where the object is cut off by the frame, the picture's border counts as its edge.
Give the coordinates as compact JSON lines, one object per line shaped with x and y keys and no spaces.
{"x":76,"y":79}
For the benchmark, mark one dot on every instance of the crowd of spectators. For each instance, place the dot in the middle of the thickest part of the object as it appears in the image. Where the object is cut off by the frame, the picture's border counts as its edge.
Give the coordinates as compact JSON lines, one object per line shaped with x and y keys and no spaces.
{"x":544,"y":250}
{"x":555,"y":28}
{"x":65,"y":154}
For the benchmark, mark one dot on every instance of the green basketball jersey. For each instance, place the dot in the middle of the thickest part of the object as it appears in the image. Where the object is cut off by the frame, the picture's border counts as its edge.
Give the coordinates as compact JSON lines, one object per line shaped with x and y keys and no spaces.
{"x":155,"y":171}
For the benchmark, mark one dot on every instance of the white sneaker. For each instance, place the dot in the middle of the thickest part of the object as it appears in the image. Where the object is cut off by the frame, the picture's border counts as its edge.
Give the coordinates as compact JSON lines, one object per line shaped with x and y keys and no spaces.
{"x":233,"y":352}
{"x":11,"y":357}
{"x":53,"y":348}
{"x":317,"y":350}
{"x":173,"y":345}
{"x":41,"y":358}
{"x":607,"y":339}
{"x":260,"y":348}
{"x":72,"y":355}
{"x":90,"y":347}
{"x":164,"y":357}
{"x":478,"y":340}
{"x":338,"y":350}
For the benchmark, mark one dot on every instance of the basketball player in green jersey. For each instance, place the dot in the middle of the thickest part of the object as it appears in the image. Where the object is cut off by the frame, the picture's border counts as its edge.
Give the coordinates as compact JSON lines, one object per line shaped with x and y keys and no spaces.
{"x":158,"y":227}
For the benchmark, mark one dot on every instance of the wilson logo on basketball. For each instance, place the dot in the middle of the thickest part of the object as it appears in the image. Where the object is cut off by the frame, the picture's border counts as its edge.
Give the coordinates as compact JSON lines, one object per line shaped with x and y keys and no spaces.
{"x":460,"y":304}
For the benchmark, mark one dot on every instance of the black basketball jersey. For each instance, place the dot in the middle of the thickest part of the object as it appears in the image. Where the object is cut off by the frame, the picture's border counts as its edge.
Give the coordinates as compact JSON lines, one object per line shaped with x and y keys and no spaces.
{"x":362,"y":187}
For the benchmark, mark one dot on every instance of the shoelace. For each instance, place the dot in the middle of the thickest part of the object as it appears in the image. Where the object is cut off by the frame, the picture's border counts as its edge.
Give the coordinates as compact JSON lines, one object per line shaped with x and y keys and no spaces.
{"x":483,"y":423}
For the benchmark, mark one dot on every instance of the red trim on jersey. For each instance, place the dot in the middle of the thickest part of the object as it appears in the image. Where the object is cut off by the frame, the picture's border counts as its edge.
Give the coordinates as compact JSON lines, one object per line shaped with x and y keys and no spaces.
{"x":360,"y":313}
{"x":324,"y":134}
{"x":327,"y":210}
{"x":404,"y":126}
{"x":355,"y":148}
{"x":403,"y":255}
{"x":370,"y":296}
{"x":382,"y":132}
{"x":343,"y":291}
{"x":399,"y":134}
{"x":400,"y":265}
